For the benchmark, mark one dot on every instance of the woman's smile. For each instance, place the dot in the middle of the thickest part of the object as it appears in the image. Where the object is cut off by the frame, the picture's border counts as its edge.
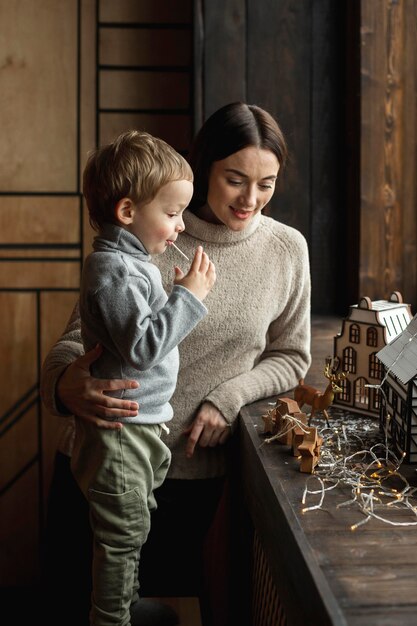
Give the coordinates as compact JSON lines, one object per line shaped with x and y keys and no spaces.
{"x":239,"y":187}
{"x":240,"y":214}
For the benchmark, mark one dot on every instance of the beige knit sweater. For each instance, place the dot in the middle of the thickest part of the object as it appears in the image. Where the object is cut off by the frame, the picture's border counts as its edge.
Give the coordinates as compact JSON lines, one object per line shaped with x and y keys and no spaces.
{"x":254,"y":343}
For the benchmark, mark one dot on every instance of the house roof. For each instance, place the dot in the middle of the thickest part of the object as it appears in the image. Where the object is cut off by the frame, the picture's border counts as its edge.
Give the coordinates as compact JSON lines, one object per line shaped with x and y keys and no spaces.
{"x":395,"y":321}
{"x":400,"y":356}
{"x":393,"y":314}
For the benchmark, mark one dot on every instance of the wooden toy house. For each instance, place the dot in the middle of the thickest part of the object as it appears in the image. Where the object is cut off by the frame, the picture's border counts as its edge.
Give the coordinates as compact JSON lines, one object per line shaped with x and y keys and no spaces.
{"x":368,"y":328}
{"x":399,"y":399}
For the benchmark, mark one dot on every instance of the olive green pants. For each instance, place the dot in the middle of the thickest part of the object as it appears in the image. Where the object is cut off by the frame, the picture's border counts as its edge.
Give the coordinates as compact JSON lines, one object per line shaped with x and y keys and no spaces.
{"x":118,"y":470}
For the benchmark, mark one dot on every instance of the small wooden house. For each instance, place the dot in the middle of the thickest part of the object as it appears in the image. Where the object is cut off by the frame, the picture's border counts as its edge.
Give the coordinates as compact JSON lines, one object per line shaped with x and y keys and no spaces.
{"x":399,"y":399}
{"x":368,"y":328}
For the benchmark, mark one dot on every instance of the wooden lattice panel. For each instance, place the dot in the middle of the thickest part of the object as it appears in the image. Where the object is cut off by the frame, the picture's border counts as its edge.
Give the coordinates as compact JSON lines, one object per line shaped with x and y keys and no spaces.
{"x":267,"y":608}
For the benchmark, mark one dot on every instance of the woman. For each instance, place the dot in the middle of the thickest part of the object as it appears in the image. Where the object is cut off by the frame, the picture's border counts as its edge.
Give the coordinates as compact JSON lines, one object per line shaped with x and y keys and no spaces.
{"x":254,"y":343}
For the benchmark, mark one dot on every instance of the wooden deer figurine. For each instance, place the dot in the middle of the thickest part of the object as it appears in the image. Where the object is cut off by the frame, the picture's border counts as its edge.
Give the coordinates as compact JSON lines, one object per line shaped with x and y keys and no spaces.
{"x":305,"y":394}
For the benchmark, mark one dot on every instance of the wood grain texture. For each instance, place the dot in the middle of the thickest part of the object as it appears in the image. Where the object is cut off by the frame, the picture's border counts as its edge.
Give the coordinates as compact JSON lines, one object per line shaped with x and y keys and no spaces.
{"x":39,"y":219}
{"x":409,"y":155}
{"x":225,"y":52}
{"x":38,"y":108}
{"x":279,"y":80}
{"x":327,"y":206}
{"x":175,"y":129}
{"x":150,"y":47}
{"x":388,"y":254}
{"x":144,"y":90}
{"x":166,"y":11}
{"x":18,"y":333}
{"x":35,"y":274}
{"x":87,"y":81}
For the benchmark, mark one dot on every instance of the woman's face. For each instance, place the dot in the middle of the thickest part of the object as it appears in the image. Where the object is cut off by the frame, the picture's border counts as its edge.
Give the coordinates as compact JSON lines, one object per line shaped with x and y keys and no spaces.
{"x":239,"y":187}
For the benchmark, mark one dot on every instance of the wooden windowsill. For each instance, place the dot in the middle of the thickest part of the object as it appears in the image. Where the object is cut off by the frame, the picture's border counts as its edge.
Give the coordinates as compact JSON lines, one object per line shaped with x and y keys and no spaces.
{"x":324,"y":572}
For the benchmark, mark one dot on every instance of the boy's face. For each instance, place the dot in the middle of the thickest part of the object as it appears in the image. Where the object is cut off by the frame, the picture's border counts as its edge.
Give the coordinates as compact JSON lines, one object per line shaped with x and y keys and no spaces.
{"x":160,"y":221}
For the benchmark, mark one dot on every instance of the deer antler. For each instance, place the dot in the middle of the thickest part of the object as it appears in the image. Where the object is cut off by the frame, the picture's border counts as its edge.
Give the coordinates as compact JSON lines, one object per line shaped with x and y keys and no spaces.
{"x":331,"y":370}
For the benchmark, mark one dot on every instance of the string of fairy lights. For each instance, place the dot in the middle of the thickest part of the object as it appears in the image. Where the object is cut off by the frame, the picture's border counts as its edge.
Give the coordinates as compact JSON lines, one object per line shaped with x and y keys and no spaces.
{"x":354,"y":458}
{"x":377,"y":488}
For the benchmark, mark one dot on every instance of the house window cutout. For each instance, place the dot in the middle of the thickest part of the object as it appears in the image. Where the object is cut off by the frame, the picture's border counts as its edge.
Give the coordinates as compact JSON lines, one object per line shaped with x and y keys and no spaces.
{"x":372,"y":337}
{"x":354,"y":334}
{"x":376,"y":399}
{"x":344,"y":396}
{"x":361,"y":393}
{"x":375,"y":368}
{"x":349,"y":360}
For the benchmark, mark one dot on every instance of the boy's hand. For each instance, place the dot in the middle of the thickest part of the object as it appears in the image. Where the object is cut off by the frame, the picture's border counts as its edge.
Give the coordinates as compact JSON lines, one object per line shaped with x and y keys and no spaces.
{"x":201,"y":276}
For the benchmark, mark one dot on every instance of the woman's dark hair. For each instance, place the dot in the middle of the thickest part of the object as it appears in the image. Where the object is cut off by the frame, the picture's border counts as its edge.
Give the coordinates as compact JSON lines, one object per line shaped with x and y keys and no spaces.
{"x":231,"y":128}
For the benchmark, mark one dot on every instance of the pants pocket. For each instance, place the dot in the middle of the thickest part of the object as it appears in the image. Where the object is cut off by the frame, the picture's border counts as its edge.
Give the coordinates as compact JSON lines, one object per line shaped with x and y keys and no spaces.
{"x":119,"y":519}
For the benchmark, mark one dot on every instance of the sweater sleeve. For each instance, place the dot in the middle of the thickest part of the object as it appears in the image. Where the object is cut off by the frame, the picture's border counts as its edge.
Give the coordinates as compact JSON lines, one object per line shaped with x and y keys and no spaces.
{"x":68,"y":348}
{"x":144,"y":338}
{"x":286,"y":357}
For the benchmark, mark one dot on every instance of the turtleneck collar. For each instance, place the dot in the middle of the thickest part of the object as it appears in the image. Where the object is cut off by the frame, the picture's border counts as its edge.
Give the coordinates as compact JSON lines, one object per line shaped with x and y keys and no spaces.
{"x":113,"y":237}
{"x":217,"y":233}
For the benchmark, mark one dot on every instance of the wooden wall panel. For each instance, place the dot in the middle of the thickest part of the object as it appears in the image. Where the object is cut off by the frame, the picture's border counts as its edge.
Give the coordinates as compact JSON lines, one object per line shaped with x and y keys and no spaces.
{"x":48,"y":119}
{"x":224,"y":57}
{"x":38,"y":151}
{"x":151,"y":11}
{"x":409,"y":155}
{"x":19,"y":445}
{"x":39,"y":219}
{"x":174,"y":129}
{"x":327,"y":197}
{"x":32,"y":274}
{"x":279,"y":79}
{"x":18,"y":340}
{"x":88,"y":78}
{"x":144,"y":70}
{"x":287,"y":57}
{"x":150,"y":47}
{"x":19,"y":517}
{"x":140,"y":90}
{"x":388,"y":168}
{"x":378,"y":195}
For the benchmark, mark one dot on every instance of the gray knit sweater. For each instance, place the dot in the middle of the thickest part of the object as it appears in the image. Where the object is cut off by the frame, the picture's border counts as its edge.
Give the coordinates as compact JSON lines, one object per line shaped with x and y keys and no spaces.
{"x":254,"y":343}
{"x":124,"y":307}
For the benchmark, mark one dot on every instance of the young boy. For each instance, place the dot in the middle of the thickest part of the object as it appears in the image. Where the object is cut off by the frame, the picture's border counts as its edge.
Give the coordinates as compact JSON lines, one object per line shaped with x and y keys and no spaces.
{"x":136,"y":190}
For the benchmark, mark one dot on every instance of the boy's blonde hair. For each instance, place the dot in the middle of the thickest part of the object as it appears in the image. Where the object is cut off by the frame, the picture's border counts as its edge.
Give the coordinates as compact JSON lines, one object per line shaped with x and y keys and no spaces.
{"x":136,"y":165}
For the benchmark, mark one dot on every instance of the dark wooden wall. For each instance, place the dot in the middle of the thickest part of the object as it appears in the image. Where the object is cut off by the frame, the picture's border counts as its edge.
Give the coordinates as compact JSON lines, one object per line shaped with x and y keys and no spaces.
{"x":388,"y":149}
{"x":288,"y":57}
{"x":340,"y":77}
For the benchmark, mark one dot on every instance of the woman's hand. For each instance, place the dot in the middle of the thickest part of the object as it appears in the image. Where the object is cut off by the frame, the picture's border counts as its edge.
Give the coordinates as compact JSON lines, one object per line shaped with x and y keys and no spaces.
{"x":209,"y":428}
{"x":83,"y":396}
